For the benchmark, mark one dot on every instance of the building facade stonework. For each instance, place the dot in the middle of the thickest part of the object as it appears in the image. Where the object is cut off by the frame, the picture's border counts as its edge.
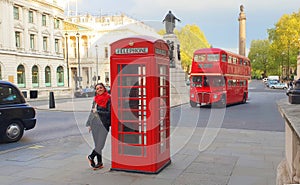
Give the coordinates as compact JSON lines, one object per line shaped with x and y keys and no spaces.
{"x":42,"y":49}
{"x":31,"y":45}
{"x":89,"y":37}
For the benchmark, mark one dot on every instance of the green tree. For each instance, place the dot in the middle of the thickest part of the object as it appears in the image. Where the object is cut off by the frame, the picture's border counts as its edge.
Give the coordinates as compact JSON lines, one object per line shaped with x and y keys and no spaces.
{"x":285,"y":43}
{"x":191,"y":38}
{"x":259,"y":56}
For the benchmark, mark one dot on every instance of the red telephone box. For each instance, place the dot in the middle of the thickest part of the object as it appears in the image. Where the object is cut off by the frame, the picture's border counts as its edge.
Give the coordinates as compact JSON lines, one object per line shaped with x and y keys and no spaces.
{"x":140,"y":92}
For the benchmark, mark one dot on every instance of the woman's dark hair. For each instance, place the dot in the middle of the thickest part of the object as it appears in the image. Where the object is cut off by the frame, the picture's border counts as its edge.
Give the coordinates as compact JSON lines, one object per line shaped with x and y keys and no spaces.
{"x":101,"y":85}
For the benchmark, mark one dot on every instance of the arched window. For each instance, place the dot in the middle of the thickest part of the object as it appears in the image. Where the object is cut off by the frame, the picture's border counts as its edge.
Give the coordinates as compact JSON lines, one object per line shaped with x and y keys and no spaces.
{"x":21,"y":76}
{"x":47,"y":77}
{"x":60,"y":76}
{"x":35,"y":76}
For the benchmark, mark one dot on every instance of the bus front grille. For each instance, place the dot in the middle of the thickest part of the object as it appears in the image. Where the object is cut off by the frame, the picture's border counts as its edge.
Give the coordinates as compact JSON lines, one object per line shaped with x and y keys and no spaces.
{"x":204,"y":97}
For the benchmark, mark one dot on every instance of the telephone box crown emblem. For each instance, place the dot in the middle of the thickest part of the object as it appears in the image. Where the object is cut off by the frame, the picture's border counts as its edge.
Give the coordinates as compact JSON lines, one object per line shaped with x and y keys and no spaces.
{"x":130,"y":43}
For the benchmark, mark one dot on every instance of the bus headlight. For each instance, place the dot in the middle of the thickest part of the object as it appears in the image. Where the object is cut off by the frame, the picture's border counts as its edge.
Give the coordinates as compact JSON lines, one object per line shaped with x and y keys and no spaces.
{"x":215,"y":96}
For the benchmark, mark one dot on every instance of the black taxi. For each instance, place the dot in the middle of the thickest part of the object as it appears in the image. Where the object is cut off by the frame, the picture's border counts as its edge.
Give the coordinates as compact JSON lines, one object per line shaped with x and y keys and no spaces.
{"x":15,"y":114}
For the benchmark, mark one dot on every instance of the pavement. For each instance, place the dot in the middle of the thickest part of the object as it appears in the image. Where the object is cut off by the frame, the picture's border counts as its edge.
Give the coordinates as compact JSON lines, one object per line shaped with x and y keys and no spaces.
{"x":231,"y":157}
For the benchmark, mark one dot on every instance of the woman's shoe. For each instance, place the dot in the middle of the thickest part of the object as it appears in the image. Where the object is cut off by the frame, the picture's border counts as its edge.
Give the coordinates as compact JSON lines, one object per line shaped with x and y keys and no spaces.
{"x":91,"y":161}
{"x":98,"y":166}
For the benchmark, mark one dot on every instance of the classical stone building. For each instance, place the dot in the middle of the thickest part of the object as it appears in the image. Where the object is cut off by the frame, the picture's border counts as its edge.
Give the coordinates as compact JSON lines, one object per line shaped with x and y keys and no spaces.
{"x":90,"y":57}
{"x":31,"y":51}
{"x":41,"y":49}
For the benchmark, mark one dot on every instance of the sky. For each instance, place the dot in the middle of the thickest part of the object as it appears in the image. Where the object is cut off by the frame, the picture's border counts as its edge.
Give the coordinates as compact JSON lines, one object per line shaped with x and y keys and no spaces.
{"x":216,"y":18}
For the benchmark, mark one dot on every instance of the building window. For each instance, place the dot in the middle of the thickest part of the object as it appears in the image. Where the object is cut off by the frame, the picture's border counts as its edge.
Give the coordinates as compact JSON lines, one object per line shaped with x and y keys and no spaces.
{"x":45,"y":43}
{"x":35,"y":76}
{"x":21,"y":76}
{"x":56,"y":23}
{"x":16,"y":13}
{"x":44,"y":20}
{"x":32,"y":41}
{"x":47,"y":76}
{"x":18,"y":39}
{"x":30,"y":16}
{"x":57,"y":45}
{"x":106,"y":52}
{"x":60,"y":76}
{"x":107,"y":78}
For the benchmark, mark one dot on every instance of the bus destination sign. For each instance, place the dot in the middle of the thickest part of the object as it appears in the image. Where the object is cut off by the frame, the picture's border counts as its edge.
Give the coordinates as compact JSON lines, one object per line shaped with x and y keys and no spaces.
{"x":205,"y":65}
{"x":120,"y":51}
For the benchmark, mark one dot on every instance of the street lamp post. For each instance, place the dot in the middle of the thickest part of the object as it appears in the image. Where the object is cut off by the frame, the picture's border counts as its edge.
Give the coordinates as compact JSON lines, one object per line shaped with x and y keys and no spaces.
{"x":78,"y":56}
{"x":97,"y":63}
{"x":67,"y":56}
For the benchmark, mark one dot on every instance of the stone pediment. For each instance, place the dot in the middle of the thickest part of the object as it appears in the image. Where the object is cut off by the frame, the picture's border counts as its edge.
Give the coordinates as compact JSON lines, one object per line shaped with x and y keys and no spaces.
{"x":45,"y":32}
{"x":58,"y":34}
{"x":70,"y":26}
{"x":19,"y":26}
{"x":33,"y":29}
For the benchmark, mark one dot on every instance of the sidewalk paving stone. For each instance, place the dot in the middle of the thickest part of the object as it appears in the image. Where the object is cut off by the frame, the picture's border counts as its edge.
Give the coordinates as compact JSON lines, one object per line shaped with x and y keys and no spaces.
{"x":234,"y":157}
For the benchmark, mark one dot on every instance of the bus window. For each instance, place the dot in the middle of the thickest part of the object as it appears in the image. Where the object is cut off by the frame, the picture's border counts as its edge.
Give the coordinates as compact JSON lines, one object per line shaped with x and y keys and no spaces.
{"x":224,"y":58}
{"x":234,"y":83}
{"x":199,"y":58}
{"x":213,"y":57}
{"x":241,"y":61}
{"x":218,"y":81}
{"x":206,"y":82}
{"x":197,"y":81}
{"x":234,"y":60}
{"x":229,"y":59}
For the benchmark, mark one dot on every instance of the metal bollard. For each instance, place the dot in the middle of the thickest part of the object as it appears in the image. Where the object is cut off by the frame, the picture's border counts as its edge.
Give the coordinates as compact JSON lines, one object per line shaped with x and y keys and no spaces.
{"x":51,"y":100}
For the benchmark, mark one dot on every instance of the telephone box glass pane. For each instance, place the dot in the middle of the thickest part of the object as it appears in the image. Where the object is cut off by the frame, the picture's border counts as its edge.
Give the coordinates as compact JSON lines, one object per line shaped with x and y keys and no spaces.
{"x":132,"y":109}
{"x":163,"y":91}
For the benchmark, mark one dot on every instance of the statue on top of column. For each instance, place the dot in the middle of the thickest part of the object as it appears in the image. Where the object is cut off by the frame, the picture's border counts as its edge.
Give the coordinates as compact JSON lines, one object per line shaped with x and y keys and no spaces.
{"x":169,"y":21}
{"x":242,"y":8}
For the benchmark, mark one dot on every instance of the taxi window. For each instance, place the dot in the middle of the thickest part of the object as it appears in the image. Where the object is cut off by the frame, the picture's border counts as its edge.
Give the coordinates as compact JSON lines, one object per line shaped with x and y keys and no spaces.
{"x":9,"y":95}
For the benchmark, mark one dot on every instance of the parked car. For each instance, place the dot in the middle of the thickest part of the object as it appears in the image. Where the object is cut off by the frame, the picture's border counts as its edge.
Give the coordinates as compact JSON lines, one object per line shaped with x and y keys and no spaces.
{"x":294,"y":89}
{"x":271,"y":82}
{"x":87,"y":92}
{"x":278,"y":86}
{"x":15,"y":114}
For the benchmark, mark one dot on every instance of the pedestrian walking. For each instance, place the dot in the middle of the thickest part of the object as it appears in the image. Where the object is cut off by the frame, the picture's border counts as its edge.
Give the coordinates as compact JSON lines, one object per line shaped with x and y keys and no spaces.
{"x":291,"y":84}
{"x":99,"y":124}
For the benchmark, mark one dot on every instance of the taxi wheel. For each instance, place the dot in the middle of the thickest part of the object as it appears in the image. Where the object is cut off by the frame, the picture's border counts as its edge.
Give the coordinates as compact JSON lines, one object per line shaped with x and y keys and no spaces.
{"x":13,"y":131}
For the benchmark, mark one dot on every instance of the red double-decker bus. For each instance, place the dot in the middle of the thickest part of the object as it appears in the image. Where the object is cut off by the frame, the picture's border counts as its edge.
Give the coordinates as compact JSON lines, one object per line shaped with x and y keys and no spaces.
{"x":218,"y":77}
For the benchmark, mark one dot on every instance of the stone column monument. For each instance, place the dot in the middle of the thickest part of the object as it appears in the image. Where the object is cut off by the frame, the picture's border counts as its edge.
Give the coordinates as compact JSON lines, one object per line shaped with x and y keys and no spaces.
{"x":179,"y":92}
{"x":242,"y":31}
